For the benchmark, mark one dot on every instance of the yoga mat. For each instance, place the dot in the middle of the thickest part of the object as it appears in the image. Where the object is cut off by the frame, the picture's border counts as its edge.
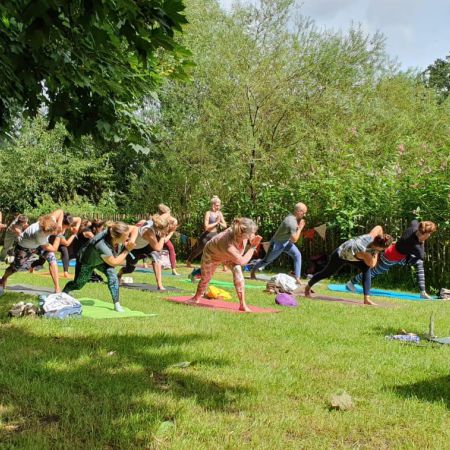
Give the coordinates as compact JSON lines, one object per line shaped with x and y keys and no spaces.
{"x":228,"y":284}
{"x":379,"y":293}
{"x":30,"y":290}
{"x":220,"y":305}
{"x":148,"y":287}
{"x":72,"y":263}
{"x":98,"y":309}
{"x":144,"y":270}
{"x":261,"y":277}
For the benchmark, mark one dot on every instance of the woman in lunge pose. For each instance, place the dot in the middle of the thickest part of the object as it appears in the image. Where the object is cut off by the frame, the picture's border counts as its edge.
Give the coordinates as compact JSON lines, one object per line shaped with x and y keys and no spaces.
{"x":361,"y":252}
{"x":229,"y":247}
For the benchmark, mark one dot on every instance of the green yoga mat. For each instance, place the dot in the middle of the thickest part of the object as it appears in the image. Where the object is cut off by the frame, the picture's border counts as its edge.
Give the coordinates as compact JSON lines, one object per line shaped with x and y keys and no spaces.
{"x":229,"y":284}
{"x":98,"y":309}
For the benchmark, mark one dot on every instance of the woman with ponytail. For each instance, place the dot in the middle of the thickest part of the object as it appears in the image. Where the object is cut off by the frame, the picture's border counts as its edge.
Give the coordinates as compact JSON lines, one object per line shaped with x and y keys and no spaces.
{"x":228,"y":248}
{"x":150,"y":241}
{"x":361,"y":252}
{"x":34,"y":240}
{"x":100,"y":253}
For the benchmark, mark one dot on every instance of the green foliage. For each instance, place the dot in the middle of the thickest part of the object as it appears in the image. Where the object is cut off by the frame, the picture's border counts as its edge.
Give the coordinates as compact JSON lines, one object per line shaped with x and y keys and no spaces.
{"x":437,"y":76}
{"x":89,"y":62}
{"x":279,"y":112}
{"x":37,"y":166}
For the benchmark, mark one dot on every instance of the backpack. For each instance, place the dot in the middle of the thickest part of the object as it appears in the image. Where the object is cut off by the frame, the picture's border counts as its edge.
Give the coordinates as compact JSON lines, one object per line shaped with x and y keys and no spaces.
{"x":284,"y":283}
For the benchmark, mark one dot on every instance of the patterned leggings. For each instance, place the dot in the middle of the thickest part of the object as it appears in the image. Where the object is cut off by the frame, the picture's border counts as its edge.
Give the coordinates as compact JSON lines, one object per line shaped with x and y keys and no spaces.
{"x":384,"y":265}
{"x":207,"y":271}
{"x":83,"y":274}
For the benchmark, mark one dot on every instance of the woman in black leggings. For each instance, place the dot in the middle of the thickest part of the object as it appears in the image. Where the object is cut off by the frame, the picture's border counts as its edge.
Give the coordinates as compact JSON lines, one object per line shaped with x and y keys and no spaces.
{"x":361,"y":252}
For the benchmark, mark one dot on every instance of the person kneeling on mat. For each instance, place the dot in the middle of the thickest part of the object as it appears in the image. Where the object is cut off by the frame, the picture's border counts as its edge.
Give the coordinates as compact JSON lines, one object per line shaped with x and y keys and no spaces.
{"x":408,"y":250}
{"x":228,"y":247}
{"x":361,"y":252}
{"x":99,"y":253}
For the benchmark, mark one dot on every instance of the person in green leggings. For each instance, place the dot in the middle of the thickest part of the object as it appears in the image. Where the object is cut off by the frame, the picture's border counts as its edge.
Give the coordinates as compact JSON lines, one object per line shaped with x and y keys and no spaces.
{"x":100,"y":254}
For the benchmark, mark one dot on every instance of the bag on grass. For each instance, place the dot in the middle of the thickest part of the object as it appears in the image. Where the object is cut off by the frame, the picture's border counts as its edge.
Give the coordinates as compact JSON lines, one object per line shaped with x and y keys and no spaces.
{"x":284,"y":299}
{"x":444,"y":294}
{"x":60,"y":305}
{"x":215,"y":292}
{"x":285,"y":283}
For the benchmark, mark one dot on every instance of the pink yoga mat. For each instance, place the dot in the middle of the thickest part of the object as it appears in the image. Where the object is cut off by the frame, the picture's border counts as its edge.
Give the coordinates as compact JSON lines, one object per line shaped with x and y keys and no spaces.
{"x":220,"y":305}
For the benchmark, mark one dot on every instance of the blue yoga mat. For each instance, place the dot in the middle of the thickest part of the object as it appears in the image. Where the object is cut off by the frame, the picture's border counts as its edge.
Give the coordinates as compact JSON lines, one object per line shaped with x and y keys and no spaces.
{"x":72,"y":263}
{"x":379,"y":293}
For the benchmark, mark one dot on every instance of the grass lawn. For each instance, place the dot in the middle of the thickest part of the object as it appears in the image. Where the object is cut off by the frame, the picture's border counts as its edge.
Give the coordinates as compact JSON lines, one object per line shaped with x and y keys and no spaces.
{"x":256,"y":380}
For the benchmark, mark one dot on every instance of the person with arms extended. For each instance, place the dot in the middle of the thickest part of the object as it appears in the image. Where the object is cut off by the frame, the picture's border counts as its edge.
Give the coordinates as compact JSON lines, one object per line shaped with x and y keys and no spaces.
{"x":409,"y":249}
{"x":360,"y":252}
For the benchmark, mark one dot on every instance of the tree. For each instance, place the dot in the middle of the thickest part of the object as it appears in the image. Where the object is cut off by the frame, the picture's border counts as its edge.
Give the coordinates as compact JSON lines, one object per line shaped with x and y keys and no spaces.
{"x":437,"y":75}
{"x":89,"y":63}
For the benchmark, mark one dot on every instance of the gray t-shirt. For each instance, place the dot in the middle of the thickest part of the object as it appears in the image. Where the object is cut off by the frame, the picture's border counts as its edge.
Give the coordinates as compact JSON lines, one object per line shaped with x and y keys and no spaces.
{"x":350,"y":248}
{"x":97,"y":248}
{"x":33,"y":237}
{"x":287,"y":228}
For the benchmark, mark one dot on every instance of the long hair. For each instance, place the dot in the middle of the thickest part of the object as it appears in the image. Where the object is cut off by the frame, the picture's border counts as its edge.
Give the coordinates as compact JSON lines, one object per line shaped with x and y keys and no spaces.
{"x":48,"y":223}
{"x":243,"y":225}
{"x":117,"y":229}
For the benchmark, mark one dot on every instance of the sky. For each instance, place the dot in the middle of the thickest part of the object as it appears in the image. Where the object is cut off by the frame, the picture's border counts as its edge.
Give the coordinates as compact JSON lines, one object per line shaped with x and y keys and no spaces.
{"x":417,"y":31}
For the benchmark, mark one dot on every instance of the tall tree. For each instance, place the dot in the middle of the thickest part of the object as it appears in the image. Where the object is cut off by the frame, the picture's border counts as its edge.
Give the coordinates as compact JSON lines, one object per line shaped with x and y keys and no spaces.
{"x":88,"y":62}
{"x":437,"y":75}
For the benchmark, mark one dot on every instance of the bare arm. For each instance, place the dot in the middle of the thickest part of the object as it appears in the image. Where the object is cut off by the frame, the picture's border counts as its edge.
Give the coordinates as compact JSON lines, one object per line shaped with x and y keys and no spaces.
{"x":376,"y":231}
{"x":134,"y":231}
{"x":58,"y":215}
{"x":156,"y":243}
{"x":296,"y":236}
{"x":119,"y":259}
{"x":52,"y":247}
{"x":222,"y":222}
{"x":369,"y":259}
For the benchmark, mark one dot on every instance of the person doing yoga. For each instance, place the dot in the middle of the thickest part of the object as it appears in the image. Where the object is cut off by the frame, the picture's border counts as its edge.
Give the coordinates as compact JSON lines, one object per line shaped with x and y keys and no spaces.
{"x":34,"y":240}
{"x":360,"y":252}
{"x":100,"y":253}
{"x":12,"y":233}
{"x":149,"y":243}
{"x":409,"y":249}
{"x":165,"y":213}
{"x":283,"y":241}
{"x":229,"y":247}
{"x":212,"y":222}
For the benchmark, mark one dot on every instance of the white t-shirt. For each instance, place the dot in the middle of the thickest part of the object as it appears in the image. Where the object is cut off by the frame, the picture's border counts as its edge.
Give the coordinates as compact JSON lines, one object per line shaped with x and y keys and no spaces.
{"x":33,"y":237}
{"x":140,"y":241}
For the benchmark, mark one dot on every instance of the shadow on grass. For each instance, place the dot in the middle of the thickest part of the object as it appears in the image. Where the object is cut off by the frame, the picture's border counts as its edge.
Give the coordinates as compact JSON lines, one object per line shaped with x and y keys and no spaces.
{"x":101,"y":391}
{"x":432,"y":390}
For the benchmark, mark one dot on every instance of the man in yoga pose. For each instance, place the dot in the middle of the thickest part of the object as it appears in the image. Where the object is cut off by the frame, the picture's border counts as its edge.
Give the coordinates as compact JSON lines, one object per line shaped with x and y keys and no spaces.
{"x":361,"y":252}
{"x":409,"y":249}
{"x":284,"y":240}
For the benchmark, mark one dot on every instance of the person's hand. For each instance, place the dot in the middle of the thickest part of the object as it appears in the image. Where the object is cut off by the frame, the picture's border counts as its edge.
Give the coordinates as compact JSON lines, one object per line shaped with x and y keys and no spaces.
{"x":130,"y":245}
{"x":301,"y":224}
{"x":256,"y":241}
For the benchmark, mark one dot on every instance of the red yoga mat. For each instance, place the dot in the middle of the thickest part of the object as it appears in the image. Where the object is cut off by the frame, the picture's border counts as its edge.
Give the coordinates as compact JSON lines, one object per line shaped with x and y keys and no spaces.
{"x":220,"y":305}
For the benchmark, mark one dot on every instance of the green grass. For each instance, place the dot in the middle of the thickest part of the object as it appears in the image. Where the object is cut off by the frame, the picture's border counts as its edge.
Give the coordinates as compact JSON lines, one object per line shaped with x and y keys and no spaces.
{"x":256,"y":381}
